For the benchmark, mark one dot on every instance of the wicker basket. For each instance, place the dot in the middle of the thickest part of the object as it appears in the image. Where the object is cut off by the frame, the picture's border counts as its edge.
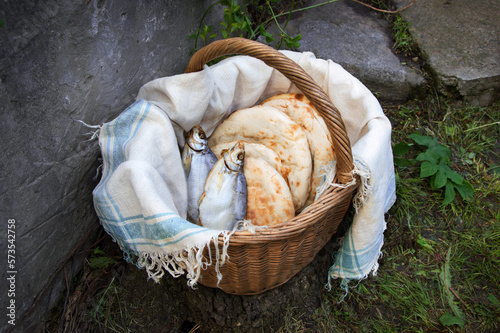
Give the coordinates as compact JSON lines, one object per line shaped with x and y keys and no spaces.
{"x":270,"y":257}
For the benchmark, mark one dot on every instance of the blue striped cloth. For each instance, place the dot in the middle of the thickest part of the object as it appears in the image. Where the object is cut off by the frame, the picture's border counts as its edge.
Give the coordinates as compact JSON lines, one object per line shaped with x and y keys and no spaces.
{"x":361,"y":246}
{"x":141,"y":197}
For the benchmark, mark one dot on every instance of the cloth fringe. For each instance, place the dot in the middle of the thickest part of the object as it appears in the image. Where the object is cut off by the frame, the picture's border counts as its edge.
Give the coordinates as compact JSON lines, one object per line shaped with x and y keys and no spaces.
{"x":362,"y":194}
{"x":190,"y":261}
{"x":360,"y":169}
{"x":246,"y":225}
{"x":364,"y":191}
{"x":344,"y":282}
{"x":94,"y":134}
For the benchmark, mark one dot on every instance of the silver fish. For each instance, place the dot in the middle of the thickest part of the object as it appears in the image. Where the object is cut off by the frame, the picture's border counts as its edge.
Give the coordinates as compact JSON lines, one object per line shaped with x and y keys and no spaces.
{"x":198,"y":160}
{"x":224,"y":199}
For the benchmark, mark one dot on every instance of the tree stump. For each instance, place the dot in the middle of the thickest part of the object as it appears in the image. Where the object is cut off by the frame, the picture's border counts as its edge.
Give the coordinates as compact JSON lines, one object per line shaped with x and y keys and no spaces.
{"x":216,"y":310}
{"x":173,"y":306}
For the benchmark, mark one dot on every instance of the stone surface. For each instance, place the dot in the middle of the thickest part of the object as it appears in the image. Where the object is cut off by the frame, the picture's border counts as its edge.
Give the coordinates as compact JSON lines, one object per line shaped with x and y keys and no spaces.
{"x":460,"y":40}
{"x":62,"y":62}
{"x":359,"y":40}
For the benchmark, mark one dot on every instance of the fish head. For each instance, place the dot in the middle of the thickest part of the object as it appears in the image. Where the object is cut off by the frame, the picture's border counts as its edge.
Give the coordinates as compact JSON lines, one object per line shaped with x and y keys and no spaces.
{"x":196,"y":138}
{"x":235,"y":156}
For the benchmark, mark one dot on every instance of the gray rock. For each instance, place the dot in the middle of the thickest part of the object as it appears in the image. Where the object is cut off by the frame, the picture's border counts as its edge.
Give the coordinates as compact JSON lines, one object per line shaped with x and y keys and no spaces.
{"x":359,"y":40}
{"x":460,"y":42}
{"x":61,"y":63}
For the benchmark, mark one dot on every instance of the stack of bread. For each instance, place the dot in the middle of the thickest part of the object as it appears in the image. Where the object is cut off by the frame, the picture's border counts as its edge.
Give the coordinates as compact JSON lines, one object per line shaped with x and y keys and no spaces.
{"x":287,"y":149}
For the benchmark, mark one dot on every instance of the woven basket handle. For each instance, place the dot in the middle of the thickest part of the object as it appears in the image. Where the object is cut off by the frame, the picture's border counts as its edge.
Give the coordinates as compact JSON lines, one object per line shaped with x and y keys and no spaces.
{"x":299,"y":77}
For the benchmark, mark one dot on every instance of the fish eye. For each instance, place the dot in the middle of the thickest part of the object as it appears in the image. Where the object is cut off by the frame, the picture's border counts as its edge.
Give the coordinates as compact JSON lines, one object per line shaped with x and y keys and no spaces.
{"x":202,"y":135}
{"x":241,"y":156}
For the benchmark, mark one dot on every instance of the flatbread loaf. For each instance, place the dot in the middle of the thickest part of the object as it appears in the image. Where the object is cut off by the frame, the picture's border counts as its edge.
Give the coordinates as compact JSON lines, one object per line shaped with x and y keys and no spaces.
{"x":274,"y":129}
{"x":300,"y":110}
{"x":255,"y":150}
{"x":269,"y":201}
{"x":299,"y":100}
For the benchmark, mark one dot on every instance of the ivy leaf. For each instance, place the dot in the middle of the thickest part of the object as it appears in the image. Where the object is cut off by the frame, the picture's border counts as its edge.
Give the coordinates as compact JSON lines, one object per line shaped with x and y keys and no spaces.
{"x":101,"y":262}
{"x":442,"y":152}
{"x":193,"y":36}
{"x":441,"y":179}
{"x":293,"y":42}
{"x":428,"y":169}
{"x":428,"y":155}
{"x":449,"y":320}
{"x":466,"y":190}
{"x":98,"y":251}
{"x":423,"y":140}
{"x":263,"y":32}
{"x":454,"y":177}
{"x":401,"y":148}
{"x":449,"y":193}
{"x":403,"y":162}
{"x":438,"y":150}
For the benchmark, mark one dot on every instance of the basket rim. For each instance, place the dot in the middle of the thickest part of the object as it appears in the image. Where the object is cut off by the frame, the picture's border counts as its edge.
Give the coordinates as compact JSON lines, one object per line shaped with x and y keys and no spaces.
{"x":298,"y":223}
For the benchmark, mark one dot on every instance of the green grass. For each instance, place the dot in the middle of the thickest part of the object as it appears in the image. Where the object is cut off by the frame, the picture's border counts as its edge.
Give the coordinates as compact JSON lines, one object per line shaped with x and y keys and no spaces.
{"x":403,"y":40}
{"x":99,"y":315}
{"x":439,"y":261}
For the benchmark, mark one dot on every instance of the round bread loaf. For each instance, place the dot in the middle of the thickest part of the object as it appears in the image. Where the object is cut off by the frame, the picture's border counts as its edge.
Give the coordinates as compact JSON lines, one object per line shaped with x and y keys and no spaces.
{"x":274,"y":129}
{"x":269,"y":201}
{"x":300,"y":110}
{"x":255,"y":150}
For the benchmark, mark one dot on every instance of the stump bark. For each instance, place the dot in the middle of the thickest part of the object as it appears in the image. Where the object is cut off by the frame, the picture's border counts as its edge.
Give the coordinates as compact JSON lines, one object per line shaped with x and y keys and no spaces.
{"x":218,"y":311}
{"x":173,"y":306}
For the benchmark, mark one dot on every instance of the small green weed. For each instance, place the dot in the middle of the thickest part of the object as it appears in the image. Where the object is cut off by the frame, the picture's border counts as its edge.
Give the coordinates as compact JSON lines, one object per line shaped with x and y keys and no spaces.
{"x":403,"y":41}
{"x":237,"y":22}
{"x":99,"y":260}
{"x":436,"y":165}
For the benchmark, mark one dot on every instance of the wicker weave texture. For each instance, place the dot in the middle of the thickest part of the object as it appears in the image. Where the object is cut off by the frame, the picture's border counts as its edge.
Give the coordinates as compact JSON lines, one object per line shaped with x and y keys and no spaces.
{"x":270,"y":257}
{"x":256,"y":266}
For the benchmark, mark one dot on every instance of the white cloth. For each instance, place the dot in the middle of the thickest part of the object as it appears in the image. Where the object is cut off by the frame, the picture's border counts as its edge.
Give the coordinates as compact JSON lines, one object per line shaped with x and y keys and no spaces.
{"x":141,"y":198}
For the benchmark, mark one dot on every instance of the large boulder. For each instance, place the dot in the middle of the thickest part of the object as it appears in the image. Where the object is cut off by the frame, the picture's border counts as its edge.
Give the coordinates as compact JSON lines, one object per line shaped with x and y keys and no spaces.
{"x":359,"y":39}
{"x":62,"y":63}
{"x":459,"y":42}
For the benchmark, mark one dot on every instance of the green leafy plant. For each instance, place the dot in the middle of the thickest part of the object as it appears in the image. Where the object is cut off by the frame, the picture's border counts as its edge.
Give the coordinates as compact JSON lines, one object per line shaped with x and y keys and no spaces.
{"x":237,"y":22}
{"x":436,"y":165}
{"x":98,"y":259}
{"x":290,"y":42}
{"x":403,"y":41}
